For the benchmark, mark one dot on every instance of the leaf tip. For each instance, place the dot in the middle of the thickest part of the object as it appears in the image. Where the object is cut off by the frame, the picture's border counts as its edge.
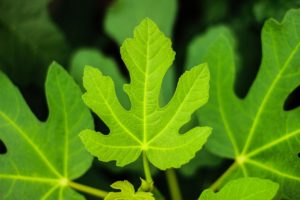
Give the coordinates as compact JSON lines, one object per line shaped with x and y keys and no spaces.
{"x":54,"y":66}
{"x":90,"y":70}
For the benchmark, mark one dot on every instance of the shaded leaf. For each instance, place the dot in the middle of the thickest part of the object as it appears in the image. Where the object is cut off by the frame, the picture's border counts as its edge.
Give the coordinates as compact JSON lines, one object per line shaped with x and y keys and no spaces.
{"x":275,"y":9}
{"x":256,"y":132}
{"x":29,"y":39}
{"x":123,"y":15}
{"x":43,"y":157}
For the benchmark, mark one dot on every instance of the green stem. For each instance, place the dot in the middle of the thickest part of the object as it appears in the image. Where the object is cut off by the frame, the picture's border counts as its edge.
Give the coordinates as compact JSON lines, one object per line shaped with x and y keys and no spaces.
{"x":87,"y":189}
{"x":173,"y":184}
{"x":147,"y":169}
{"x":219,"y":182}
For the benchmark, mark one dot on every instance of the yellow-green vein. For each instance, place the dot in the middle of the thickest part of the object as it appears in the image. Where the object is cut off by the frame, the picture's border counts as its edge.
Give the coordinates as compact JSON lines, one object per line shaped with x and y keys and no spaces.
{"x":273,"y":143}
{"x":175,"y":114}
{"x":66,"y":129}
{"x":266,"y":97}
{"x":222,"y":113}
{"x":29,"y":178}
{"x":49,"y":192}
{"x":272,"y":170}
{"x":29,"y":141}
{"x":113,"y":113}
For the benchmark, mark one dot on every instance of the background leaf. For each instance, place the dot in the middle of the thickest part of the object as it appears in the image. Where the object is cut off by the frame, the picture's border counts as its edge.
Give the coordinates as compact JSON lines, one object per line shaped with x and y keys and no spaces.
{"x":29,"y":40}
{"x":256,"y":132}
{"x":131,"y":12}
{"x":43,"y":156}
{"x":275,"y":9}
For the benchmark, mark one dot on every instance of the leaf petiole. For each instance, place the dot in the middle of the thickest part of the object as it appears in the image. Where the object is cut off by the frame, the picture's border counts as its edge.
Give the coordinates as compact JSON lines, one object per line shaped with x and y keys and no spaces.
{"x":219,"y":182}
{"x":173,"y":184}
{"x":87,"y":189}
{"x":147,"y":171}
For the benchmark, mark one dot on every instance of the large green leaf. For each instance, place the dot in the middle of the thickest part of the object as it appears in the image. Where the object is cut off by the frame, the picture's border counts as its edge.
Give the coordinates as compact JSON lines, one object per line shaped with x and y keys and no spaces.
{"x":29,"y":39}
{"x":146,"y":127}
{"x":243,"y":189}
{"x":256,"y":132}
{"x":123,"y":15}
{"x":42,"y":157}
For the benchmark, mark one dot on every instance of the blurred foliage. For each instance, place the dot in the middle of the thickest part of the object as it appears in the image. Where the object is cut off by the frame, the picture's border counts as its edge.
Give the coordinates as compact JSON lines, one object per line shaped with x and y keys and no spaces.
{"x":79,"y":33}
{"x":276,"y":9}
{"x":131,"y":12}
{"x":29,"y":40}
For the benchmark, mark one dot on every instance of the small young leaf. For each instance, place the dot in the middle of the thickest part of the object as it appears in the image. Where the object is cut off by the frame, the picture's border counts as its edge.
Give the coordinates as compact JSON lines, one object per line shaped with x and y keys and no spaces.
{"x":146,"y":127}
{"x":127,"y":192}
{"x":242,"y":189}
{"x":256,"y":132}
{"x":42,"y":157}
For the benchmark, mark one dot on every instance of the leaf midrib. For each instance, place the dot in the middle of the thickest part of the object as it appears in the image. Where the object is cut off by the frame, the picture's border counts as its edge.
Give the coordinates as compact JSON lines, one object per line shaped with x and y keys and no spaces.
{"x":285,"y":137}
{"x":176,"y":112}
{"x":222,"y":112}
{"x":66,"y":127}
{"x":272,"y":170}
{"x":30,"y":178}
{"x":112,"y":111}
{"x":145,"y":88}
{"x":266,"y":97}
{"x":30,"y":142}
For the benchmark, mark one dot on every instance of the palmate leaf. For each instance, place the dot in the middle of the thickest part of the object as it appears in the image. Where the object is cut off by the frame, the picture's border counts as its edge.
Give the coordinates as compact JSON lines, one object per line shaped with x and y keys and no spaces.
{"x":43,"y":157}
{"x":243,"y":189}
{"x":146,"y":127}
{"x":256,"y":132}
